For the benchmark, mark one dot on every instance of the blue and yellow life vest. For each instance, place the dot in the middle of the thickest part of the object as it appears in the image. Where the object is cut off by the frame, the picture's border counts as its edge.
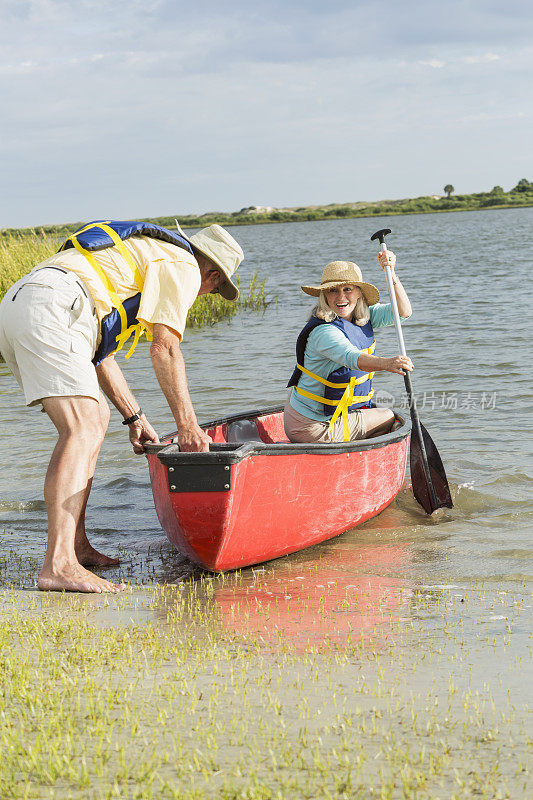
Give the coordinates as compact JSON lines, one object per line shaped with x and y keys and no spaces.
{"x":339,"y":396}
{"x":121,"y":322}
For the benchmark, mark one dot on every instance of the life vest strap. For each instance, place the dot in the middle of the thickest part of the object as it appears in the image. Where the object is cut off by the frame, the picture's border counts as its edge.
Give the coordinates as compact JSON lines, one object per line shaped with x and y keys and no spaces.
{"x":137,"y":331}
{"x":82,"y":230}
{"x":124,"y":252}
{"x":125,"y":330}
{"x":343,"y":405}
{"x":327,"y":401}
{"x":362,"y":379}
{"x":110,"y":289}
{"x":348,"y":398}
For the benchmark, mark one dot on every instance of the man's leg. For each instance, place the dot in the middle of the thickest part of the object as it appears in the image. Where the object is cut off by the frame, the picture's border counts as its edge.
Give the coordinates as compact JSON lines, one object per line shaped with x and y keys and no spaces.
{"x":85,"y":552}
{"x":67,"y":484}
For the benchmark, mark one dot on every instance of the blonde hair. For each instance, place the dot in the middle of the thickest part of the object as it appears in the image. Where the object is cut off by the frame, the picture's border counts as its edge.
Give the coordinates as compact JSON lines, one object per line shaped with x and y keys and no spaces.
{"x":360,"y":316}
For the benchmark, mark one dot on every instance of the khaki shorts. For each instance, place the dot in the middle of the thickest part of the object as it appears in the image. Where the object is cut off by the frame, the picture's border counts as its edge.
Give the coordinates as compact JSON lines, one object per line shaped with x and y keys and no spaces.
{"x":302,"y":429}
{"x":48,"y":333}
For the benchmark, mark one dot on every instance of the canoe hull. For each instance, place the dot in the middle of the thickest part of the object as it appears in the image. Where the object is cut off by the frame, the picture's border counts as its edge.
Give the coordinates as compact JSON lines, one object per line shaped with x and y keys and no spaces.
{"x":258,"y":500}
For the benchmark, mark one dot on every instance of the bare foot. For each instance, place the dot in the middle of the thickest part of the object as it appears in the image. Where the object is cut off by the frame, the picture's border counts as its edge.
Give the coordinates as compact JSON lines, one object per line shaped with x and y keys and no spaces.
{"x":75,"y":578}
{"x":89,"y":557}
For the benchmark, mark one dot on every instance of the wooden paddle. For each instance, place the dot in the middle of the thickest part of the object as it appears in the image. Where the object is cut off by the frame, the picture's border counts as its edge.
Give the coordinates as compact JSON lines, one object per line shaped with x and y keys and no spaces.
{"x":428,"y":478}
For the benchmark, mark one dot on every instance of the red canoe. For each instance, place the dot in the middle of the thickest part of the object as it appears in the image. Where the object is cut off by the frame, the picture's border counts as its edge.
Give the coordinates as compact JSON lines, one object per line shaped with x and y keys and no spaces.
{"x":255,"y":496}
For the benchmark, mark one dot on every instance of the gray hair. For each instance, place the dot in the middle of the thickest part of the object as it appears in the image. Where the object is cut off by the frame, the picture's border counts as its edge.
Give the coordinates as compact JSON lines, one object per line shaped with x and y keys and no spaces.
{"x":360,"y":316}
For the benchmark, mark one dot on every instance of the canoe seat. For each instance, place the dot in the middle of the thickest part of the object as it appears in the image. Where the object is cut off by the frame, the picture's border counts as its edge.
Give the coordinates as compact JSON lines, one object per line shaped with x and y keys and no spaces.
{"x":241,"y":431}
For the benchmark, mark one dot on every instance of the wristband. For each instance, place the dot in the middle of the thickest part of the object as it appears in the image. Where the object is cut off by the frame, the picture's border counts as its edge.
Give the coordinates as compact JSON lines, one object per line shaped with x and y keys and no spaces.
{"x":134,"y":418}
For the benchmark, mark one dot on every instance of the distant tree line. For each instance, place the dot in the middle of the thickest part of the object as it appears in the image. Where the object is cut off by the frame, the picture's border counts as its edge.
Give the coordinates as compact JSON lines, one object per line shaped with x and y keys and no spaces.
{"x":520,"y":195}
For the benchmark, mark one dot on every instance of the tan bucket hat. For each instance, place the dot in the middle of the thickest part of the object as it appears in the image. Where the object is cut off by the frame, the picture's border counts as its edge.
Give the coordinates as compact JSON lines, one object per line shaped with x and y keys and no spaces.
{"x":222,"y":249}
{"x":337,"y":273}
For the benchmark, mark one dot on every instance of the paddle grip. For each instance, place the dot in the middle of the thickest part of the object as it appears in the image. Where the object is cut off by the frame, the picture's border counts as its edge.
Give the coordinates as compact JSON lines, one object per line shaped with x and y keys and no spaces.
{"x":392,"y":294}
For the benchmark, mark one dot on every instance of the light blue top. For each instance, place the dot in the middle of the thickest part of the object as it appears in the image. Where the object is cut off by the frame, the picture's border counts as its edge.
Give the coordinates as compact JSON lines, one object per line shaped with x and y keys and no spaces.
{"x":328,"y":348}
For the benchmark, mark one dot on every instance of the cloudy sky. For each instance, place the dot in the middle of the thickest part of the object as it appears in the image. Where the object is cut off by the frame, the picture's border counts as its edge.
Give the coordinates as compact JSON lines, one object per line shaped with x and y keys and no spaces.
{"x":124,"y":109}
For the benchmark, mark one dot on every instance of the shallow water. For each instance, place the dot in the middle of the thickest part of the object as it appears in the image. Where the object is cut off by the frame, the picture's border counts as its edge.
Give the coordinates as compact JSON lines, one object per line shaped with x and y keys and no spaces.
{"x":463,"y":272}
{"x":408,"y":638}
{"x":246,"y":697}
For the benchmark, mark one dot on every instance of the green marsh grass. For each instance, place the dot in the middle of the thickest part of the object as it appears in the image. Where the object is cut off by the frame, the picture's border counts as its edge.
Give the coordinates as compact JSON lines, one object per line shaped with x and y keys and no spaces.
{"x":20,"y":253}
{"x":157,"y":693}
{"x":210,"y":308}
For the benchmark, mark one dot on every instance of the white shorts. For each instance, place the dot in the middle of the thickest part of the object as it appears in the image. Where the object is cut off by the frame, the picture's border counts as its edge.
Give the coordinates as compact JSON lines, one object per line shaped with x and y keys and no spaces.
{"x":48,"y":332}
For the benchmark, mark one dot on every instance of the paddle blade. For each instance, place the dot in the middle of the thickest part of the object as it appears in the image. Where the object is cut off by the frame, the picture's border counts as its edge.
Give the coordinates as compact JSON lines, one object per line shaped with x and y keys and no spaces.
{"x":421,"y":481}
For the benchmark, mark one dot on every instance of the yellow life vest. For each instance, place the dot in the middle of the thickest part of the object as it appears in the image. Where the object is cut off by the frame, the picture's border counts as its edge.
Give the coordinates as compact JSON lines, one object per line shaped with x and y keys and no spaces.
{"x":349,"y":398}
{"x":337,"y":402}
{"x":126,"y":330}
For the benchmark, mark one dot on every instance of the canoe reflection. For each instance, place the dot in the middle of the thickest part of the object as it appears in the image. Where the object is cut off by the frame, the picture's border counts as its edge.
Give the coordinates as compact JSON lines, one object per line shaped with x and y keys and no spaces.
{"x":350,"y":594}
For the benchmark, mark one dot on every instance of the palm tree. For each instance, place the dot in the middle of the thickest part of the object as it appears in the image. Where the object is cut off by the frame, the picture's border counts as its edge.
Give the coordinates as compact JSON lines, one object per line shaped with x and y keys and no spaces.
{"x":448,"y":189}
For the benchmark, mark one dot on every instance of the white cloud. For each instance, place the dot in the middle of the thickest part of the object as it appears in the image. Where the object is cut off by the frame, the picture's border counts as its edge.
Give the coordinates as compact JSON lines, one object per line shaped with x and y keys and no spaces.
{"x":433,"y":62}
{"x":481,"y":59}
{"x":20,"y":67}
{"x":154,"y":106}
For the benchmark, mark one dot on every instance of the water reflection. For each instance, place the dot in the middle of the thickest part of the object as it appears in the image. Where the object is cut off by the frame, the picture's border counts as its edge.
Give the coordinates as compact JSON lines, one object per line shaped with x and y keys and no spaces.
{"x":491,"y":481}
{"x":352,"y":593}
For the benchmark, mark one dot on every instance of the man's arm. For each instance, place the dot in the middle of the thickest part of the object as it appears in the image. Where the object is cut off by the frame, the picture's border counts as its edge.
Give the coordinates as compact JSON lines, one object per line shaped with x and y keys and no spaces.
{"x":114,"y":386}
{"x":169,"y":367}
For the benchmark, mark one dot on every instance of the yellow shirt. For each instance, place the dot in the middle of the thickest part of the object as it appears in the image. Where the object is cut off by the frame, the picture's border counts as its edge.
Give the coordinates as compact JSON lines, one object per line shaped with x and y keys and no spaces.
{"x":171,"y":279}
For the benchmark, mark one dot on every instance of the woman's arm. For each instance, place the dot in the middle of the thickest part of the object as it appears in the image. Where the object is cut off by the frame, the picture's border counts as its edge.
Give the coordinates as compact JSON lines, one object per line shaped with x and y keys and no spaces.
{"x":396,"y":364}
{"x":387,"y":257}
{"x":329,"y":342}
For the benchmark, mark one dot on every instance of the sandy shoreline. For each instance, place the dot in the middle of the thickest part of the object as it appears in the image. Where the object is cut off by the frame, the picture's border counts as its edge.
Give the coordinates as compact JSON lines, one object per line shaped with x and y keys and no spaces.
{"x":231,"y":687}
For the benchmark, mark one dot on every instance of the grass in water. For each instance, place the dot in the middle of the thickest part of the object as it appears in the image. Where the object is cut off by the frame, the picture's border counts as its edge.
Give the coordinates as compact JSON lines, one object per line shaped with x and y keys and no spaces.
{"x":210,"y":308}
{"x":20,"y":253}
{"x":190,"y":691}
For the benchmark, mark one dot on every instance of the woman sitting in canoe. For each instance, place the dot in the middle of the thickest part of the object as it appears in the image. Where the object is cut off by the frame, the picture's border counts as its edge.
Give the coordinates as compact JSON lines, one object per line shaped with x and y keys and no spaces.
{"x":332,"y":382}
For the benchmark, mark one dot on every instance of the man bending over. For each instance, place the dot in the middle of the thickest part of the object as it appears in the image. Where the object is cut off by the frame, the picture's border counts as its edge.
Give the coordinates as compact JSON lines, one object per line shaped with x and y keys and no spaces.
{"x":60,"y":326}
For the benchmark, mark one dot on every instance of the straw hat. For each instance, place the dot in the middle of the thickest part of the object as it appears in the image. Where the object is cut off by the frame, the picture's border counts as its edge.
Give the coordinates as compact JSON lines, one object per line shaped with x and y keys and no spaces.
{"x":222,"y":249}
{"x":337,"y":273}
